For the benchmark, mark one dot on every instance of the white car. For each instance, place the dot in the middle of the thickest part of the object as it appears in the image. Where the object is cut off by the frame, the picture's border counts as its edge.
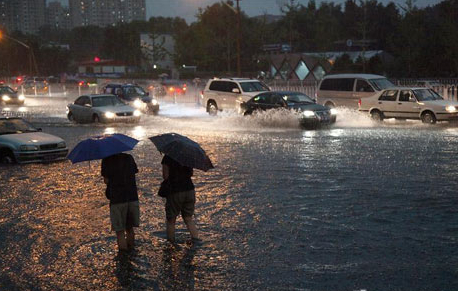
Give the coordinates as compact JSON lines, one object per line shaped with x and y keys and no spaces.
{"x":103,"y":108}
{"x":410,"y":103}
{"x":230,"y":93}
{"x":21,"y":142}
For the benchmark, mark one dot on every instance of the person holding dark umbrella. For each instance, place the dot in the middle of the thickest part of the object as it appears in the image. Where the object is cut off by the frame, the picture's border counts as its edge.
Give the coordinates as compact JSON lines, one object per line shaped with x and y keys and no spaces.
{"x":181,"y":156}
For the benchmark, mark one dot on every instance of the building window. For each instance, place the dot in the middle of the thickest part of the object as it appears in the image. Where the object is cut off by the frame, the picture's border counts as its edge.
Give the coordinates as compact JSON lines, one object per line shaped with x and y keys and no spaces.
{"x":301,"y":70}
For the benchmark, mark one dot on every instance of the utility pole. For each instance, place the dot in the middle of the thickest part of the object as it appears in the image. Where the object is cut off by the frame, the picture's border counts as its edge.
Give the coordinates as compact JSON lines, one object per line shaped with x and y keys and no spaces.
{"x":239,"y":69}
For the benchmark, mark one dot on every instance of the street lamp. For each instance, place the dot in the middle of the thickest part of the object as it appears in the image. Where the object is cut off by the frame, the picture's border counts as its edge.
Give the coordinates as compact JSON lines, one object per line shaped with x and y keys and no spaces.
{"x":237,"y":11}
{"x":32,"y":56}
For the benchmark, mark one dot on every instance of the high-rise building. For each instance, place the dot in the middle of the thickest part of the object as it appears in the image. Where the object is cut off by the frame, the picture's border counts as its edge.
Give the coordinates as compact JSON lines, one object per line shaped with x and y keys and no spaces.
{"x":58,"y":16}
{"x":106,"y":12}
{"x":22,"y":15}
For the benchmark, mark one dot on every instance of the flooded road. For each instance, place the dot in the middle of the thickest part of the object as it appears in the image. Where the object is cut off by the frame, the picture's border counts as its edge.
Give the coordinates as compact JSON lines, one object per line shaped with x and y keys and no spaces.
{"x":356,"y":206}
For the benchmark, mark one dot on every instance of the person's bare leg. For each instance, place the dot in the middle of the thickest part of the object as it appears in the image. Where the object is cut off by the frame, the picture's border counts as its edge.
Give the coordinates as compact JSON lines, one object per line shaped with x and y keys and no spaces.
{"x":121,"y":238}
{"x":130,"y":238}
{"x":171,"y":229}
{"x":191,"y":227}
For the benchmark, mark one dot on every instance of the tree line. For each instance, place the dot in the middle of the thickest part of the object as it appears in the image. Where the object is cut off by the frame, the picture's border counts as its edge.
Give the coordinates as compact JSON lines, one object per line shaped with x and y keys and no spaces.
{"x":422,"y":41}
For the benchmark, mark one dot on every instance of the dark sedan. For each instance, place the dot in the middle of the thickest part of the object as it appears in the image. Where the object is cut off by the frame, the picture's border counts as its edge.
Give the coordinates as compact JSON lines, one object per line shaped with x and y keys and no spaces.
{"x":312,"y":114}
{"x":9,"y":96}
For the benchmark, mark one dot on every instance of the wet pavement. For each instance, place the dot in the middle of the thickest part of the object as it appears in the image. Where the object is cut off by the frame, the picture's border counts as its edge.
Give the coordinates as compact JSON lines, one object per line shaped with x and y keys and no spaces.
{"x":359,"y":205}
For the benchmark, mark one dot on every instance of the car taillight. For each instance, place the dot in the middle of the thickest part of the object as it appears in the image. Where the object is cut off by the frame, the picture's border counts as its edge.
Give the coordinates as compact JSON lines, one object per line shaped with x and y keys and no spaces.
{"x":359,"y":103}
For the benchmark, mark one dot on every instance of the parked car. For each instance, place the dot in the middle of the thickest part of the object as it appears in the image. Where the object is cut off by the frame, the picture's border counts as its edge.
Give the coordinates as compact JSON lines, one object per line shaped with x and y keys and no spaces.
{"x":175,"y":87}
{"x":9,"y":96}
{"x":22,"y":143}
{"x":312,"y":114}
{"x":229,"y":93}
{"x":38,"y":87}
{"x":410,"y":103}
{"x":135,"y":96}
{"x":103,"y":108}
{"x":429,"y":84}
{"x":347,"y":89}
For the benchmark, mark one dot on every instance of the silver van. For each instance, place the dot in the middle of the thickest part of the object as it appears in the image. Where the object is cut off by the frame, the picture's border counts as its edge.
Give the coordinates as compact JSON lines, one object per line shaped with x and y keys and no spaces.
{"x":347,"y":89}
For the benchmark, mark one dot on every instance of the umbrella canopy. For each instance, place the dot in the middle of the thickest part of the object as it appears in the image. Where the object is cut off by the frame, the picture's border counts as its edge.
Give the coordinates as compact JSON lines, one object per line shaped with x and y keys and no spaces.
{"x":183,"y":150}
{"x":100,"y":147}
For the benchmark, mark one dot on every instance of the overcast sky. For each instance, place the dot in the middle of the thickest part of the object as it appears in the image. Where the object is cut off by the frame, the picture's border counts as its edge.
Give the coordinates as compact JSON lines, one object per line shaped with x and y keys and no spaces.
{"x":187,"y":9}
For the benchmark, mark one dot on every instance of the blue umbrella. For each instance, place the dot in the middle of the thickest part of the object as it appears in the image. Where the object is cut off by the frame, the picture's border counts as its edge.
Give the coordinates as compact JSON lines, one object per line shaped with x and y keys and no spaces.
{"x":183,"y":150}
{"x":100,"y":147}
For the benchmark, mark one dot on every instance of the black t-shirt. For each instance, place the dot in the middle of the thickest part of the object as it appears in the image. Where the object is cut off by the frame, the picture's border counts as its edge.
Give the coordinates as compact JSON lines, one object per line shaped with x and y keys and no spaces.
{"x":120,"y":170}
{"x":179,"y":176}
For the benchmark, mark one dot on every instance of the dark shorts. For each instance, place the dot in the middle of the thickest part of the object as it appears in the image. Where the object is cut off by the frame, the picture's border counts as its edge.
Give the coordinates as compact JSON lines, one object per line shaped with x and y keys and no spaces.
{"x":180,"y":202}
{"x":124,"y":215}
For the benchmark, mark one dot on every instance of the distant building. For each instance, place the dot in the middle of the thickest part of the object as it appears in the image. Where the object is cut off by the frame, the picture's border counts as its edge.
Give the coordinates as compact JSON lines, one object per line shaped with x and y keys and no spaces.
{"x":106,"y":12}
{"x":158,"y":50}
{"x":102,"y":68}
{"x":26,"y":16}
{"x":58,"y":16}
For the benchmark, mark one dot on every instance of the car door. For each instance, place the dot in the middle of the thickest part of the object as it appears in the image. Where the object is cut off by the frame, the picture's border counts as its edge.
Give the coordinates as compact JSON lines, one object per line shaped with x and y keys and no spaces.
{"x":230,"y":97}
{"x":407,"y":106}
{"x":259,"y":102}
{"x":86,"y":109}
{"x":77,"y":108}
{"x":363,"y":89}
{"x":387,"y":103}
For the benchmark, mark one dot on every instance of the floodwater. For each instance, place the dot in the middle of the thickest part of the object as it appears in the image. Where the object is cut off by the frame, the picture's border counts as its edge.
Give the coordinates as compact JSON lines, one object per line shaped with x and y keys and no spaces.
{"x":356,"y":206}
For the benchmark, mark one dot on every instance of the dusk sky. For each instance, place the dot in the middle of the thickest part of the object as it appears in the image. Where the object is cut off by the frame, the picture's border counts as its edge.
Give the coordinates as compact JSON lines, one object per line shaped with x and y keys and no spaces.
{"x":187,"y":9}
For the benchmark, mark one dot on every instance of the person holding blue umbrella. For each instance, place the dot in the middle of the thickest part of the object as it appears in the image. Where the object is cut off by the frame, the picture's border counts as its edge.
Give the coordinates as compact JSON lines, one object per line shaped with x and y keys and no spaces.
{"x":118,"y":171}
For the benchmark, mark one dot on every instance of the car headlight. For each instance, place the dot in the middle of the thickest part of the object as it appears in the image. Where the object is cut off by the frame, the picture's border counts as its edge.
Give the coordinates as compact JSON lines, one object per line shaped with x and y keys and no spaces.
{"x":138,"y":103}
{"x":109,"y":114}
{"x":450,"y":109}
{"x":61,"y":144}
{"x":29,"y":148}
{"x":308,"y":113}
{"x":6,"y":98}
{"x":137,"y":113}
{"x":333,"y":111}
{"x":154,"y":101}
{"x":21,"y":97}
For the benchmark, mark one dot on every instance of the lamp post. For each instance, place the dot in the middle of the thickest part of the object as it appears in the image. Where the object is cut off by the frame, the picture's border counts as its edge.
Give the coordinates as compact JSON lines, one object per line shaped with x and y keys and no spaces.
{"x":31,"y":57}
{"x":239,"y":69}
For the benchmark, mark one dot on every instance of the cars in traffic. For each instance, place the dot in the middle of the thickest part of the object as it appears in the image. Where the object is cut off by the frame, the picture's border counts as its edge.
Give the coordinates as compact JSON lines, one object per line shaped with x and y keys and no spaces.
{"x":230,"y":93}
{"x":346,"y":89}
{"x":312,"y":115}
{"x":175,"y":87}
{"x":23,"y":143}
{"x":10,"y":96}
{"x":104,"y":108}
{"x":410,"y":103}
{"x":135,"y":96}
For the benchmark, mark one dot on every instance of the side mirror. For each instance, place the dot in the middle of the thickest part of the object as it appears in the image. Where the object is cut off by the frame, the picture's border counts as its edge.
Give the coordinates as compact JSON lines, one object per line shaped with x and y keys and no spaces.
{"x":235,"y":90}
{"x":314,"y":100}
{"x":87,"y":105}
{"x":412,"y":99}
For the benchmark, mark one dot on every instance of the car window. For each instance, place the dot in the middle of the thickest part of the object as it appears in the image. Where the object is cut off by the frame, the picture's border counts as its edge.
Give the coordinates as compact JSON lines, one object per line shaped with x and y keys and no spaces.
{"x":339,"y":84}
{"x":363,"y":86}
{"x":253,"y":87}
{"x":229,"y":86}
{"x":5,"y":90}
{"x":109,"y":90}
{"x":404,"y":95}
{"x":276,"y":99}
{"x":389,"y":95}
{"x":81,"y":100}
{"x":297,"y":98}
{"x":381,"y":84}
{"x":15,"y":126}
{"x":101,"y":101}
{"x":262,"y":99}
{"x":217,"y":86}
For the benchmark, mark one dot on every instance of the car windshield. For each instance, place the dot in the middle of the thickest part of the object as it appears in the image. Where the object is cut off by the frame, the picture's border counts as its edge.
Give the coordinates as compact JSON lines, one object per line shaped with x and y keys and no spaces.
{"x":135,"y":91}
{"x":297,"y":98}
{"x":427,"y":95}
{"x":106,"y":101}
{"x":253,"y":87}
{"x":8,"y":126}
{"x":6,"y":90}
{"x":381,"y":84}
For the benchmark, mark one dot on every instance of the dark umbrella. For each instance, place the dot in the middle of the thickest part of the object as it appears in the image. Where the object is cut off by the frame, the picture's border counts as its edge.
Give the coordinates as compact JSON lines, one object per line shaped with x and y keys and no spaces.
{"x":183,"y":150}
{"x":100,"y":147}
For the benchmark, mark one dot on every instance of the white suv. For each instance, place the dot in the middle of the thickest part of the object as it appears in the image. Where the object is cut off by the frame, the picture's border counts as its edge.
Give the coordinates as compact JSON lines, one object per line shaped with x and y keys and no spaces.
{"x":229,"y":93}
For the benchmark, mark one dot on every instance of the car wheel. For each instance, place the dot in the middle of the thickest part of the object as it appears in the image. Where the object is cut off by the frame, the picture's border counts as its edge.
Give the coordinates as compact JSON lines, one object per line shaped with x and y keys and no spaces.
{"x":96,"y":118}
{"x":428,"y":117}
{"x":377,"y":115}
{"x":212,"y":108}
{"x":7,"y":157}
{"x":71,"y":117}
{"x":329,"y":105}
